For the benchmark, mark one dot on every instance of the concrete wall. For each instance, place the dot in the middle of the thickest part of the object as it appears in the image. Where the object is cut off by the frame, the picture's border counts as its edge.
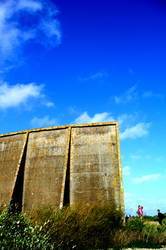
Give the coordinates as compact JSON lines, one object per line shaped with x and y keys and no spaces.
{"x":94,"y":166}
{"x":11,"y":151}
{"x":69,"y":164}
{"x":45,"y":168}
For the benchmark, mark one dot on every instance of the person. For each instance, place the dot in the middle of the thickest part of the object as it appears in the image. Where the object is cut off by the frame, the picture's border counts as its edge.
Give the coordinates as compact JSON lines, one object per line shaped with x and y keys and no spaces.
{"x":140,"y":211}
{"x":126,"y":218}
{"x":160,"y":216}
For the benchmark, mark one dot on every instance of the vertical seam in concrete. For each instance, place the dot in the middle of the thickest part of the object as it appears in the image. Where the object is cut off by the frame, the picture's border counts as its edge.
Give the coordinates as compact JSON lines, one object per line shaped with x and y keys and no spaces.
{"x":19,"y":164}
{"x":23,"y":193}
{"x":120,"y":168}
{"x":65,"y":167}
{"x":71,"y":157}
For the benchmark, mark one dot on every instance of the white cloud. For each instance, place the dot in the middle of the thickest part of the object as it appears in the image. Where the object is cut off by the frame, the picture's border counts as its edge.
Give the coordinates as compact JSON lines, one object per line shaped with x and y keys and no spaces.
{"x":14,"y":95}
{"x":73,"y":110}
{"x":133,"y":132}
{"x":126,"y":171}
{"x":14,"y":33}
{"x":6,"y":69}
{"x":139,"y":130}
{"x":128,"y":196}
{"x":146,"y":178}
{"x":135,"y":156}
{"x":49,"y":104}
{"x":29,"y":4}
{"x":128,"y":96}
{"x":126,"y":119}
{"x":140,"y":156}
{"x":100,"y":117}
{"x":95,"y":76}
{"x":132,"y":94}
{"x":150,"y":94}
{"x":147,"y":94}
{"x":43,"y":121}
{"x":51,"y":29}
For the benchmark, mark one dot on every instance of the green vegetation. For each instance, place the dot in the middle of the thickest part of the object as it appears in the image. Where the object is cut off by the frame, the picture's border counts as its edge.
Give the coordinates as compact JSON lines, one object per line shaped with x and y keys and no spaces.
{"x":97,"y":226}
{"x":18,"y":233}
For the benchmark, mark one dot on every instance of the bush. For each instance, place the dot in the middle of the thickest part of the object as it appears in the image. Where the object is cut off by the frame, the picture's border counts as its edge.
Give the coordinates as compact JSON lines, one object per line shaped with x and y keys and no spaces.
{"x":39,"y":216}
{"x":17,"y":233}
{"x":81,"y":226}
{"x":146,"y":235}
{"x":164,"y":222}
{"x":150,"y":218}
{"x":135,"y":224}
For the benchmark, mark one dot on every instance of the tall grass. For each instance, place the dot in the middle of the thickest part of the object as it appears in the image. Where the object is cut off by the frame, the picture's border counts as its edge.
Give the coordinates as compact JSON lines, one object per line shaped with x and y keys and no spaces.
{"x":80,"y":226}
{"x":95,"y":226}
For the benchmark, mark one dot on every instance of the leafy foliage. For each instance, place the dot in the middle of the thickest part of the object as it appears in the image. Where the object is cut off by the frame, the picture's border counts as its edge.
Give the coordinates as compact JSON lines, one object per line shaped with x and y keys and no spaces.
{"x":17,"y":233}
{"x":81,"y":227}
{"x":136,"y":224}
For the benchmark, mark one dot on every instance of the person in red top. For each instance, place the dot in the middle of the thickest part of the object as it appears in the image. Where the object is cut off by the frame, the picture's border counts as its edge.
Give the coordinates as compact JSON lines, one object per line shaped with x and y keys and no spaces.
{"x":140,"y":211}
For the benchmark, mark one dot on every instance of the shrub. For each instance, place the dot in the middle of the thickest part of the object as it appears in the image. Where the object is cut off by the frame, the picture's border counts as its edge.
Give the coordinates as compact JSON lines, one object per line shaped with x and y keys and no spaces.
{"x":164,"y":222}
{"x":149,"y":232}
{"x":150,"y":218}
{"x":17,"y":233}
{"x":80,"y":226}
{"x":135,"y":224}
{"x":39,"y":216}
{"x":146,"y":235}
{"x":161,"y":229}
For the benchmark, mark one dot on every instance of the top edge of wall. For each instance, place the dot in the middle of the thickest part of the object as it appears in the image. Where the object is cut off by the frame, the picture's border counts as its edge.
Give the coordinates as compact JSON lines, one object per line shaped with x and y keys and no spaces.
{"x":60,"y":127}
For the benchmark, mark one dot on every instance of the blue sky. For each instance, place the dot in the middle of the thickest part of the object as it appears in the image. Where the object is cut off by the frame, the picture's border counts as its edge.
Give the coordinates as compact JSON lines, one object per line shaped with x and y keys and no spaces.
{"x":64,"y":62}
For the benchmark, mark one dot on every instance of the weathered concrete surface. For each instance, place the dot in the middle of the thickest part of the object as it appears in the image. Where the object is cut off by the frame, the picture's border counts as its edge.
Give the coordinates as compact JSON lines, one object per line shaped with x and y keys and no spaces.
{"x":11,"y":150}
{"x":95,"y":171}
{"x":45,"y":168}
{"x":80,"y":161}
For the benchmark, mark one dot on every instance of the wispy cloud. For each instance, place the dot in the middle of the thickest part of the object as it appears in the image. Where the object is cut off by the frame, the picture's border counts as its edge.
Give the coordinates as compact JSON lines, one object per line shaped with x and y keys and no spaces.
{"x":128,"y":196}
{"x":14,"y":95}
{"x":138,"y":156}
{"x":126,"y":119}
{"x":29,"y":4}
{"x":131,"y":71}
{"x":130,"y":95}
{"x":100,"y":117}
{"x":6,"y":69}
{"x":150,"y":94}
{"x":15,"y":31}
{"x":95,"y":76}
{"x":135,"y":156}
{"x":72,"y":110}
{"x":146,"y":178}
{"x":131,"y":132}
{"x":43,"y":121}
{"x":139,"y":130}
{"x":49,"y":104}
{"x":126,"y":171}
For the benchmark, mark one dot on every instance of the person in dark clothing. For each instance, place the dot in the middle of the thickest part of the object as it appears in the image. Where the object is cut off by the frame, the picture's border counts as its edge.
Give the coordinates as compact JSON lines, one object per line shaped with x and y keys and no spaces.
{"x":126,"y":218}
{"x":160,"y":216}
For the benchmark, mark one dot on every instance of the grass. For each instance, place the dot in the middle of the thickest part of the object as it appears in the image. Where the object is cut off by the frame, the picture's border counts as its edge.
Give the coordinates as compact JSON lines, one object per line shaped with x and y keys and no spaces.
{"x":95,"y":226}
{"x":80,"y":226}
